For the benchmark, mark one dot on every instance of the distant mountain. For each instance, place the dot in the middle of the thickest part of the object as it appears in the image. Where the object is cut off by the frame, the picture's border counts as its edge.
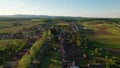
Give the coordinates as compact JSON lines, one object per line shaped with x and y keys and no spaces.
{"x":29,"y":16}
{"x":25,"y":16}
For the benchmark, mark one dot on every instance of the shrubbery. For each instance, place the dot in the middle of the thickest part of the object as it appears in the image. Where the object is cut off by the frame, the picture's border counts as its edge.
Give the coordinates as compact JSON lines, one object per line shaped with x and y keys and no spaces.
{"x":26,"y":60}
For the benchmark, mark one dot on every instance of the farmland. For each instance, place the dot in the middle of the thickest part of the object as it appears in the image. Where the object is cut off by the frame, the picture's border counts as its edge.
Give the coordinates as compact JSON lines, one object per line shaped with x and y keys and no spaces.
{"x":59,"y":43}
{"x":106,"y":34}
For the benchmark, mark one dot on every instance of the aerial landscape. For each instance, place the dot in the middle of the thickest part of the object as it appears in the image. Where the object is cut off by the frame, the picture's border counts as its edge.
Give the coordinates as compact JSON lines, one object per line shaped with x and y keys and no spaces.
{"x":42,"y":34}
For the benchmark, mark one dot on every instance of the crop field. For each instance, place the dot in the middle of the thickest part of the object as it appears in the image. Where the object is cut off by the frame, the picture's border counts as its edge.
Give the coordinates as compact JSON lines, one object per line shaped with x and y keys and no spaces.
{"x":106,"y":35}
{"x":13,"y":26}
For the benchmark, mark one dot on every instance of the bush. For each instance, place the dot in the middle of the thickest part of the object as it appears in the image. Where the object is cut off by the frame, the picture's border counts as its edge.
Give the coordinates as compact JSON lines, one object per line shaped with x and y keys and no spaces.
{"x":25,"y":62}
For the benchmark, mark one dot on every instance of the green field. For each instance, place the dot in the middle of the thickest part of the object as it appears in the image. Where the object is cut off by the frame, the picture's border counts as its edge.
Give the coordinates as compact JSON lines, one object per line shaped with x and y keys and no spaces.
{"x":107,"y":44}
{"x":14,"y":26}
{"x":7,"y":41}
{"x":106,"y":36}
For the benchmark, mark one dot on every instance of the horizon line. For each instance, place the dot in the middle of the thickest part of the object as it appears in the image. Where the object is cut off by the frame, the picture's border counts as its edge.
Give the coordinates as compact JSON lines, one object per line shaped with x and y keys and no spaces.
{"x":56,"y":15}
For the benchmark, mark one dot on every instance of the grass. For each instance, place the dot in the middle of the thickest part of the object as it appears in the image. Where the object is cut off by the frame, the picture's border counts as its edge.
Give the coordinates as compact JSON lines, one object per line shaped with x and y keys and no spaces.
{"x":108,"y":37}
{"x":46,"y":62}
{"x":55,"y":60}
{"x":52,"y":61}
{"x":107,"y":44}
{"x":11,"y":28}
{"x":115,"y":31}
{"x":63,"y":24}
{"x":105,"y":40}
{"x":5,"y":42}
{"x":5,"y":23}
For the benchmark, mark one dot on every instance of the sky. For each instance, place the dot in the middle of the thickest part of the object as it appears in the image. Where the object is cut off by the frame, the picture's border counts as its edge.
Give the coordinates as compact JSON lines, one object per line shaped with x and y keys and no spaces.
{"x":84,"y":8}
